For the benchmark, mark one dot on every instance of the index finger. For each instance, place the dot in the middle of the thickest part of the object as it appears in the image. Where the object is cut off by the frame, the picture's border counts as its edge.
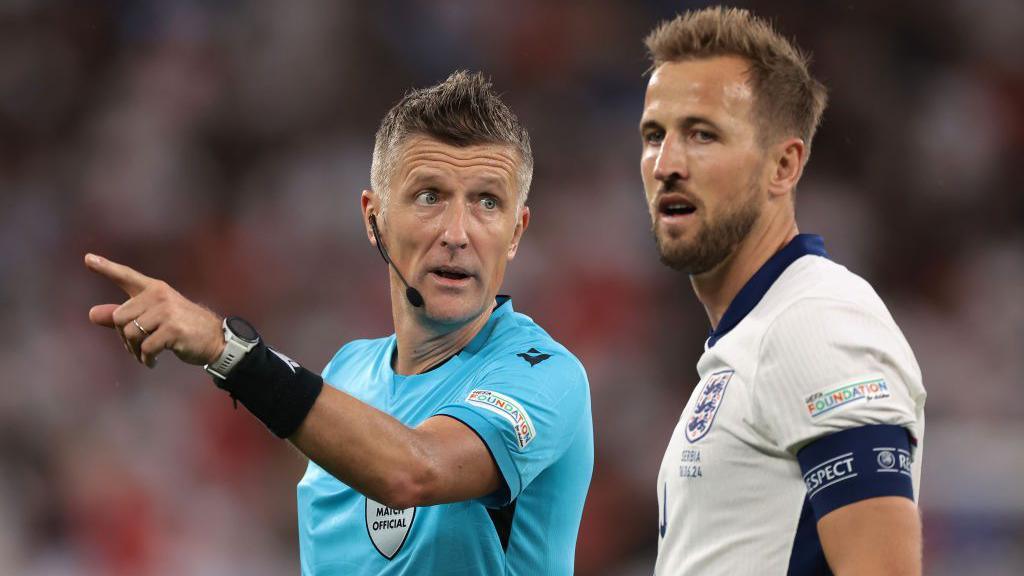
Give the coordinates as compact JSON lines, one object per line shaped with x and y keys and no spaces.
{"x":129,"y":280}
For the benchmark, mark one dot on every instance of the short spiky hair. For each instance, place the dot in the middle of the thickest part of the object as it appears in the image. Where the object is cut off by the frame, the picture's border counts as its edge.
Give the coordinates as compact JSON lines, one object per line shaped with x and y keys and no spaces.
{"x":788,"y":100}
{"x":461,"y":111}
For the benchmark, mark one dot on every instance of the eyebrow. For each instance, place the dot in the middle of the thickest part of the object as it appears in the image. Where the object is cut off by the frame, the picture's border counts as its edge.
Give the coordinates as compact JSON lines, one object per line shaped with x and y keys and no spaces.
{"x":428,"y":177}
{"x":421,"y":176}
{"x":685,"y":124}
{"x":492,"y":181}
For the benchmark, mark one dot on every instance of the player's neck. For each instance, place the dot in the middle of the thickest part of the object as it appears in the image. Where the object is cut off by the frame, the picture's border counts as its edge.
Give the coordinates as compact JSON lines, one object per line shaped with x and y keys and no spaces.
{"x":717,"y":288}
{"x":421,"y":345}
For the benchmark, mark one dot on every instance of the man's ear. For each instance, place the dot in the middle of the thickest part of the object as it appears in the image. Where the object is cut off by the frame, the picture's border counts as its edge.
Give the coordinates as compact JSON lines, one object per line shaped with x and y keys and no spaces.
{"x":789,"y":158}
{"x":369,"y":203}
{"x":522,"y":223}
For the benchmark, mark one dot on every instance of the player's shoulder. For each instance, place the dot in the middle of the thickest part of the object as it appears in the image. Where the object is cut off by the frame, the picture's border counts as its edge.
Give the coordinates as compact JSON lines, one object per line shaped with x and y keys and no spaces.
{"x":820,"y":303}
{"x":818,"y":288}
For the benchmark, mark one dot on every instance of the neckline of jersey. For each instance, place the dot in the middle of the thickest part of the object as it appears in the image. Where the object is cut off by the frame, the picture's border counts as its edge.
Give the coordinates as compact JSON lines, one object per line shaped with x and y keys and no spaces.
{"x":440,"y":370}
{"x":754,"y":290}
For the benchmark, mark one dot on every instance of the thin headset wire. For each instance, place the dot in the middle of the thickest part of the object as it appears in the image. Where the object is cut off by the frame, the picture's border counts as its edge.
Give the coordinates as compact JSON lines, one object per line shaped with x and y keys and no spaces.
{"x":383,"y":252}
{"x":376,"y":236}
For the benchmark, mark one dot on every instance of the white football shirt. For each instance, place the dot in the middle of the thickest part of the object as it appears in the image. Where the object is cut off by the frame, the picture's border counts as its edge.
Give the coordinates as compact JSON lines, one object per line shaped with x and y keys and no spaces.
{"x":806,"y":356}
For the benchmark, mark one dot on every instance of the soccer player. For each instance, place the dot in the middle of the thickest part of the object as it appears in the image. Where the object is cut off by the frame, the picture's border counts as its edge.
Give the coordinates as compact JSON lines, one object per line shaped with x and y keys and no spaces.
{"x":799,"y":451}
{"x":463,"y":443}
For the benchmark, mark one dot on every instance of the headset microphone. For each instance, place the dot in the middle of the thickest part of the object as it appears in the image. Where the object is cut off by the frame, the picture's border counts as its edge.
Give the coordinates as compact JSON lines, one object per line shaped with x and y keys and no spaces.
{"x":411,"y":294}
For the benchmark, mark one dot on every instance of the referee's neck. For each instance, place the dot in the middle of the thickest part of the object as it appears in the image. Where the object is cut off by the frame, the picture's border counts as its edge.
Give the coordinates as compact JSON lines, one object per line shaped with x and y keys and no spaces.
{"x":420,"y":347}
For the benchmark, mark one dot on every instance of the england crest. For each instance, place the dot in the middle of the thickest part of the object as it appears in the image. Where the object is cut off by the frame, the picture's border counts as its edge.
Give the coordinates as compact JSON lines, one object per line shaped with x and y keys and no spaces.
{"x":707,"y":404}
{"x":388,"y":527}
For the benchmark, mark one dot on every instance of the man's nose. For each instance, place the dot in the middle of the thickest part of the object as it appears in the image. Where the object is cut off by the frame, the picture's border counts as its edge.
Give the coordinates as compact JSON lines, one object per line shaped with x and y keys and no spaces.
{"x":454,"y":235}
{"x":671,"y":161}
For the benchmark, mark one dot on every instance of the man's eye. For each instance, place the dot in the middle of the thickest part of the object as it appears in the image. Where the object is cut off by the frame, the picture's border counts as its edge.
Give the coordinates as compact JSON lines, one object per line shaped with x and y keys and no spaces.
{"x":654,"y":137}
{"x":489,"y":203}
{"x":427,"y":198}
{"x":703,"y":136}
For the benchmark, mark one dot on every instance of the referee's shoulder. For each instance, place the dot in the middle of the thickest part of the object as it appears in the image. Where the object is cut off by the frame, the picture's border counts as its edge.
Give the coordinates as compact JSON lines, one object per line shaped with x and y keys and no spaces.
{"x":365,"y":349}
{"x":523,"y":346}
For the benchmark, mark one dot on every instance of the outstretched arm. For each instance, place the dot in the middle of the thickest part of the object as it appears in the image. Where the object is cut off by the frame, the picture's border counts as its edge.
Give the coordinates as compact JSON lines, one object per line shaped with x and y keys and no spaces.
{"x":441,"y":460}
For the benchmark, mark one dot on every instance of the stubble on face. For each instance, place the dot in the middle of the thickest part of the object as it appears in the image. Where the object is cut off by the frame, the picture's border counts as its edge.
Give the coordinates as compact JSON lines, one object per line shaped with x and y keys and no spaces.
{"x":715,"y":240}
{"x":700,"y":142}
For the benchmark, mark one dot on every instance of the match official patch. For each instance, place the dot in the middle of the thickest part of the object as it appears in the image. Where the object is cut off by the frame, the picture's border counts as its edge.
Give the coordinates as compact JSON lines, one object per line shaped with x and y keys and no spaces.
{"x":835,"y":398}
{"x":388,"y":527}
{"x":508,"y":409}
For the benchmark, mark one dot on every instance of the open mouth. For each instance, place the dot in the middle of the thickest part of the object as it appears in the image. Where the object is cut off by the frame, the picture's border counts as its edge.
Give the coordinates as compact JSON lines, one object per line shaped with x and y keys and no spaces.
{"x":451,"y":273}
{"x":677,"y":206}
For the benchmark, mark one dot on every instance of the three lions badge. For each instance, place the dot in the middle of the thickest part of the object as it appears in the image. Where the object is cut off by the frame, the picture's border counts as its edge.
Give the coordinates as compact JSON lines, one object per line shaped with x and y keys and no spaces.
{"x":707,"y":405}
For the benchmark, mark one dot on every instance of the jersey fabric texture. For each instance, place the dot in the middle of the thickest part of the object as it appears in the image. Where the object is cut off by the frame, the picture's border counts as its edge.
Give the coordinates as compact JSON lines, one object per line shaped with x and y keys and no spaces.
{"x":527,"y":398}
{"x":809,"y":399}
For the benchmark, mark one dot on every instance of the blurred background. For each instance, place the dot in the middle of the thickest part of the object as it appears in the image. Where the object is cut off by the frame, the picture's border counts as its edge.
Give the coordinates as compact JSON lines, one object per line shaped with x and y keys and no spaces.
{"x":222,"y":146}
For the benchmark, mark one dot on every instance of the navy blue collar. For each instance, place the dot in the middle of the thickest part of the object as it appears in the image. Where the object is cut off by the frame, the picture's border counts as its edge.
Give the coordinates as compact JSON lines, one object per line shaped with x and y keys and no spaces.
{"x":762,"y":280}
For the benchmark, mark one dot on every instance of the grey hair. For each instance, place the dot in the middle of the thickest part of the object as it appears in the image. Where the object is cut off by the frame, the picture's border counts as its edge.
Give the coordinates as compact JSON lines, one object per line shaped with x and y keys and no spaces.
{"x":461,"y":111}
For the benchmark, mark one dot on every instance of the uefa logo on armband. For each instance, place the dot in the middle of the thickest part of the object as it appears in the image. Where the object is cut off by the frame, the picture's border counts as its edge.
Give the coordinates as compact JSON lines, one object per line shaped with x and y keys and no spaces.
{"x":892,"y":459}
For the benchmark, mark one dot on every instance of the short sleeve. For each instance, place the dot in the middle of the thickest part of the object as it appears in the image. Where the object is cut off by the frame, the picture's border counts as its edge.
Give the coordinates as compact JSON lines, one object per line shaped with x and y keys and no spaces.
{"x":528,"y":411}
{"x":827,"y":366}
{"x":335,"y":363}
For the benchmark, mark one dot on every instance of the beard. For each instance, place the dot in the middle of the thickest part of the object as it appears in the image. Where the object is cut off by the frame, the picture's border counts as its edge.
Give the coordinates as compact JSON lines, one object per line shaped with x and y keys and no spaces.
{"x":714,"y":242}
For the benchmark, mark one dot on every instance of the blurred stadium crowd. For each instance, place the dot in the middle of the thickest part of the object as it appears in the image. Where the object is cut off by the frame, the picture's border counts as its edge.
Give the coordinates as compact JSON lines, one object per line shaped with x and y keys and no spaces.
{"x":222,"y":146}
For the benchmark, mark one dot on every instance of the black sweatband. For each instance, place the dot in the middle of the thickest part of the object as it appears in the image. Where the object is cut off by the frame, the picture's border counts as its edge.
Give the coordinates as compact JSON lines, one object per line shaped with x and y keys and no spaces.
{"x":274,"y":388}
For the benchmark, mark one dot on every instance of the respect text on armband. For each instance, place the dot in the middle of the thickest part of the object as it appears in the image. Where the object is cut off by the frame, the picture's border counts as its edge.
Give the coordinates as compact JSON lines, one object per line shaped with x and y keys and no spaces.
{"x":830,"y":472}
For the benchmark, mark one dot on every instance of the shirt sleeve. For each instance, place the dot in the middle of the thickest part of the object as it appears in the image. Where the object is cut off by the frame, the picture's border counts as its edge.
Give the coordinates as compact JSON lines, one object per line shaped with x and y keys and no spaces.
{"x":828,"y":365}
{"x":528,"y":412}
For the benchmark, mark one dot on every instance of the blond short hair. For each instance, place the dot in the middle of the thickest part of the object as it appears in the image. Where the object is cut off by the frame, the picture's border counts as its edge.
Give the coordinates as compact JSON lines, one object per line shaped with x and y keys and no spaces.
{"x":788,"y":101}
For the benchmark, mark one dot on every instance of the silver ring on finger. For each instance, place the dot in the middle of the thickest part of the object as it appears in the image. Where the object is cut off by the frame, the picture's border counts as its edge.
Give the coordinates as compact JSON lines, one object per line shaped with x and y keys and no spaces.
{"x":139,"y":326}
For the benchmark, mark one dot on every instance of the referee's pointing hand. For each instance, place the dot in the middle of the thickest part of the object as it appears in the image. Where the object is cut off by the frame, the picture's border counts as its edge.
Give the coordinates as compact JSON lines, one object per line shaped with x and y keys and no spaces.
{"x":156,"y":317}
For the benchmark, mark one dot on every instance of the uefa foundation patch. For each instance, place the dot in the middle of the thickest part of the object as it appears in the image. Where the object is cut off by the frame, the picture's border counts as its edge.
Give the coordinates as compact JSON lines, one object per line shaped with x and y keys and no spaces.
{"x":828,"y":401}
{"x":508,"y":409}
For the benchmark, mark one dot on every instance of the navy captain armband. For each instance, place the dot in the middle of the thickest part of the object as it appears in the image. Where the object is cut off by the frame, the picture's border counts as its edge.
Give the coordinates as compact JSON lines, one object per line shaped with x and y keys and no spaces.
{"x":856,"y":464}
{"x":274,"y":388}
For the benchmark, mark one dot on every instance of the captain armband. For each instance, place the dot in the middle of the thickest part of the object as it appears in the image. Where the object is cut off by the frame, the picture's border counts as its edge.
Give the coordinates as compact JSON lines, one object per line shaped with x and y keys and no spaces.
{"x":856,"y":464}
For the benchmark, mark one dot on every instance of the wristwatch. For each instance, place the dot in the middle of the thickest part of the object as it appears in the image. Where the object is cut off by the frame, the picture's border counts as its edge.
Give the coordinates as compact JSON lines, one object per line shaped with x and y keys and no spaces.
{"x":239,"y":338}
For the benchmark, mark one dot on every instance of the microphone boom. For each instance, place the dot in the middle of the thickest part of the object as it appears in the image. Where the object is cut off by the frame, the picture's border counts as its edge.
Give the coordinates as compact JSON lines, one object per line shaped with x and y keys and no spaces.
{"x":411,"y":294}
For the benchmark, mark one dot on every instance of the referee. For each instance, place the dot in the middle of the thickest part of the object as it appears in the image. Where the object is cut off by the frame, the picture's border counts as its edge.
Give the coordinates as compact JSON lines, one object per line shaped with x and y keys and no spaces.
{"x":462,"y":443}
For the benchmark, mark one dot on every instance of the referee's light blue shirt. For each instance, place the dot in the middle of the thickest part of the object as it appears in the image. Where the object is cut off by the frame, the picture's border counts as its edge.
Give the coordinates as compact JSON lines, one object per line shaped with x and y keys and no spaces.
{"x":527,"y":398}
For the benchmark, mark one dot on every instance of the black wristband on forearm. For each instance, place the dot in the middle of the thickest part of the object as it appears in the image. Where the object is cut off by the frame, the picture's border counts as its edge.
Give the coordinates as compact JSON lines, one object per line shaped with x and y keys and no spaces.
{"x":274,"y":388}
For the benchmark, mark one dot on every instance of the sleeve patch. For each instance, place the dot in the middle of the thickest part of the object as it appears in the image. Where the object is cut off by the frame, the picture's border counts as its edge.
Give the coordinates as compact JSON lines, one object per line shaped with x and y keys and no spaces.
{"x":823,"y":403}
{"x":508,"y":409}
{"x":857,"y":464}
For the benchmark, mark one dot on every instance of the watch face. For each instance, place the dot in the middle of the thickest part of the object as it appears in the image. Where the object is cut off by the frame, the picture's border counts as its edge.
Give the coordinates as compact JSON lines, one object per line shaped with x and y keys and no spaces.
{"x":242,"y":329}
